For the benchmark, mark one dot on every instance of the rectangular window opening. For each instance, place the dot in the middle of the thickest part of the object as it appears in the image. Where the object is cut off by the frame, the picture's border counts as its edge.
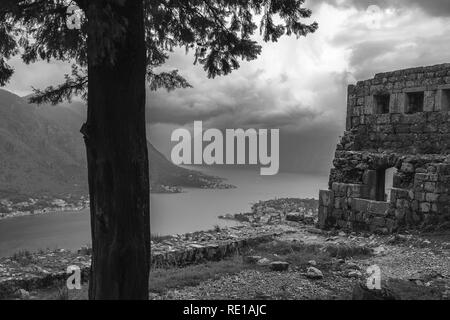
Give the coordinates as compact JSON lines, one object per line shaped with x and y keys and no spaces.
{"x":445,"y":103}
{"x":414,"y":102}
{"x":382,"y":103}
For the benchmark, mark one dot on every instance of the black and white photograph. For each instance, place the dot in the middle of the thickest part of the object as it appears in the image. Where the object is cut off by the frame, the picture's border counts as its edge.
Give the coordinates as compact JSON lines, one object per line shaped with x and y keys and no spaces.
{"x":223,"y":156}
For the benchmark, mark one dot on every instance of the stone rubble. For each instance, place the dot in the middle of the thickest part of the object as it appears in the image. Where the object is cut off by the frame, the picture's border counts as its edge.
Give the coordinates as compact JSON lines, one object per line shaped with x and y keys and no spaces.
{"x":314,"y":273}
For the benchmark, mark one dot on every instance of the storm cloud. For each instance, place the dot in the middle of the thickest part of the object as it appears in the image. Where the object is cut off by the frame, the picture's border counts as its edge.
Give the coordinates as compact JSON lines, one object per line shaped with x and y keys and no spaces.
{"x":437,"y":8}
{"x":298,"y":86}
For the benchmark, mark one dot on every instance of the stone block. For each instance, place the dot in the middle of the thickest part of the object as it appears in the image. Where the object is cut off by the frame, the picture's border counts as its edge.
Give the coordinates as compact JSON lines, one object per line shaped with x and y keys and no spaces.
{"x":400,"y":213}
{"x":356,"y":191}
{"x":431,"y":197}
{"x":429,"y":101}
{"x":392,"y":225}
{"x":397,"y":103}
{"x":425,"y":207}
{"x":360,"y":205}
{"x":402,"y":128}
{"x":379,"y":221}
{"x":326,"y":198}
{"x":378,"y":207}
{"x":442,"y":169}
{"x":420,"y":177}
{"x":383,"y":118}
{"x":418,"y":117}
{"x":407,"y":167}
{"x":419,"y":196}
{"x":430,"y":186}
{"x":441,"y":187}
{"x":337,"y":214}
{"x":323,"y":217}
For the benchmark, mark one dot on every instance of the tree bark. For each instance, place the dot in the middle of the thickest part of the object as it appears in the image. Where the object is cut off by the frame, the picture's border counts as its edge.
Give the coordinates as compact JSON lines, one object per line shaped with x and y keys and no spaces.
{"x":117,"y":157}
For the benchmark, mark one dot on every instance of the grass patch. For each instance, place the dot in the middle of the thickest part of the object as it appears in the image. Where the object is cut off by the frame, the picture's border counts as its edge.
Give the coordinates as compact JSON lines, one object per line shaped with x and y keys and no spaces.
{"x":346,"y":251}
{"x":162,"y":280}
{"x":297,"y":254}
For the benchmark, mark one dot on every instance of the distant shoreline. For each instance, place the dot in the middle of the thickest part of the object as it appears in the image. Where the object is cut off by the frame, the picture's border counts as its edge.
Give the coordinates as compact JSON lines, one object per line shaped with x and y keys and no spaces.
{"x":77,"y":209}
{"x":19,"y":214}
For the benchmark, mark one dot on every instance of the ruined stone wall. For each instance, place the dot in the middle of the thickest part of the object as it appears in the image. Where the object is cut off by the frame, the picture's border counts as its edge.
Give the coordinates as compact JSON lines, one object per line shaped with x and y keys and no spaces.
{"x":398,"y":120}
{"x":398,"y":127}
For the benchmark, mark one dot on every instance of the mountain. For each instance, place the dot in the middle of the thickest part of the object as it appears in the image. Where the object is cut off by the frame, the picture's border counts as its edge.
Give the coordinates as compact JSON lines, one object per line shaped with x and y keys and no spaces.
{"x":42,"y":152}
{"x":165,"y":173}
{"x":37,"y":154}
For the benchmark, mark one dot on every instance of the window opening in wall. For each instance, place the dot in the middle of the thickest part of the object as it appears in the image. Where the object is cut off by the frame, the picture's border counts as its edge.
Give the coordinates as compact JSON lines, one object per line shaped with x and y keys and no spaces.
{"x":445,"y":103}
{"x":382,"y":103}
{"x":380,"y":191}
{"x":414,"y":102}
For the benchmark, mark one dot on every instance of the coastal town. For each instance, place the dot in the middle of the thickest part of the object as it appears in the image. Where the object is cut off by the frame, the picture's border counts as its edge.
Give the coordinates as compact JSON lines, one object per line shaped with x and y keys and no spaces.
{"x":211,"y":183}
{"x":18,"y":206}
{"x":41,"y":205}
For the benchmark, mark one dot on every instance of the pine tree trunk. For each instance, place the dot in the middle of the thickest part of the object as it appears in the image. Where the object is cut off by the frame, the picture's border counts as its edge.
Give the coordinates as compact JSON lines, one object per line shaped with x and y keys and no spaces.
{"x":117,"y":157}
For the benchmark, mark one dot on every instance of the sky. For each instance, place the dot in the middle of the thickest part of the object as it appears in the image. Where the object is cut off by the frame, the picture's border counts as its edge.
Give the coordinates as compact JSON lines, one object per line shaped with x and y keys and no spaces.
{"x":296,"y":85}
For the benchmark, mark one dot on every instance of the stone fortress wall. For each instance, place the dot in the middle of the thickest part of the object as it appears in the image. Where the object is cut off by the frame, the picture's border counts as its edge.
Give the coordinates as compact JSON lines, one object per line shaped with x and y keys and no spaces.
{"x":392,"y":166}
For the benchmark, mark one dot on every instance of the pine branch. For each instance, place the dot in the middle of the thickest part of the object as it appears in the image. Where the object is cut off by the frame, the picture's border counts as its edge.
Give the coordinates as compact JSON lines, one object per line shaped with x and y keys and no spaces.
{"x":6,"y":72}
{"x":168,"y":80}
{"x":74,"y":85}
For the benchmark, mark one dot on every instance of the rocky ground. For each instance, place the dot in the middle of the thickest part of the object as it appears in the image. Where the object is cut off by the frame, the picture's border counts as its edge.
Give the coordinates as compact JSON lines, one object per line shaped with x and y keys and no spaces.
{"x":286,"y":260}
{"x":411,"y":266}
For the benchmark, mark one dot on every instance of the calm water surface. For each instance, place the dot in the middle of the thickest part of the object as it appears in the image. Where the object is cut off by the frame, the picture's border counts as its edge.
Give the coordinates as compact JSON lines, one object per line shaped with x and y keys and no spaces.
{"x":196,"y":209}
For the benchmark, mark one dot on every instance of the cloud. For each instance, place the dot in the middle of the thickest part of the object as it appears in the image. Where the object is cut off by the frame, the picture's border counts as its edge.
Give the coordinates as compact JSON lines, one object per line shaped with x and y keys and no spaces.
{"x":435,"y":8}
{"x":299,"y":85}
{"x":38,"y":75}
{"x":400,"y":38}
{"x":245,"y":102}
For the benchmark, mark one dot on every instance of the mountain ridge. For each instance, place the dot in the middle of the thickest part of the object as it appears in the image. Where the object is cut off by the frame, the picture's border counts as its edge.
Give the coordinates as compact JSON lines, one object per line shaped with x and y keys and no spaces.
{"x":42,"y":152}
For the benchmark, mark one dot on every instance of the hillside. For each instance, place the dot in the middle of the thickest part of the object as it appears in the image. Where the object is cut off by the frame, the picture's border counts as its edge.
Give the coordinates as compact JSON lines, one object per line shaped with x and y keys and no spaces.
{"x":42,"y":152}
{"x":37,"y":154}
{"x":165,"y":173}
